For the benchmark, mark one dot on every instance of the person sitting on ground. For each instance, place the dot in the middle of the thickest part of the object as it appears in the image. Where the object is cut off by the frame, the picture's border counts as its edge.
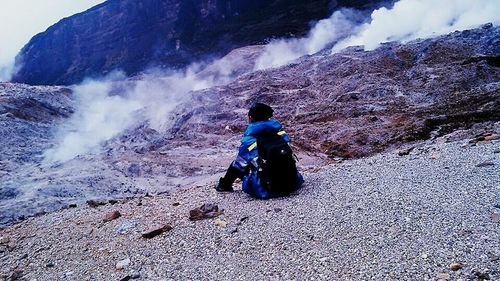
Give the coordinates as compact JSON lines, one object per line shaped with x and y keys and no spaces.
{"x":265,"y":162}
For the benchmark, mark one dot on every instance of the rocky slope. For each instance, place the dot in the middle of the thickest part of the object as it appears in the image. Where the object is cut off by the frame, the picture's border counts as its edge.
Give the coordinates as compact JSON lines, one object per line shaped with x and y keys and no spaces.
{"x":428,"y":215}
{"x":134,"y":35}
{"x":356,"y":103}
{"x":348,"y":105}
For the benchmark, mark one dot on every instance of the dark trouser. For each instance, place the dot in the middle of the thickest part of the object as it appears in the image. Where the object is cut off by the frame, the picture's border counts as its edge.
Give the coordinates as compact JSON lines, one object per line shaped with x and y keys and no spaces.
{"x":231,"y":175}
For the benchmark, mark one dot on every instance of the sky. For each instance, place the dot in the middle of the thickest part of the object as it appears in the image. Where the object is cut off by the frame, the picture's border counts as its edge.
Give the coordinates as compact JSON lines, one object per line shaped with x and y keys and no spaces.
{"x":22,"y":19}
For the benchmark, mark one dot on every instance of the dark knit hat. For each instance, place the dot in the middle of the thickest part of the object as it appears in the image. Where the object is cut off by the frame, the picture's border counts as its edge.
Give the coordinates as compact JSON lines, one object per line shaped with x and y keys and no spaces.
{"x":260,"y":112}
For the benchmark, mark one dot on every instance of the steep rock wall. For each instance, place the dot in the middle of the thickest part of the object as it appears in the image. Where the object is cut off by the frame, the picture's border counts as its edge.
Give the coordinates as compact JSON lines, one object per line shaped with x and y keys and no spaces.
{"x":133,"y":35}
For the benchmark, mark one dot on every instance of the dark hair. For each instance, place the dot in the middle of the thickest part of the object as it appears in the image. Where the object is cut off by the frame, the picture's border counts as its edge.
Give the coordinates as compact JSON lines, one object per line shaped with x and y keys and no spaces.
{"x":260,"y":112}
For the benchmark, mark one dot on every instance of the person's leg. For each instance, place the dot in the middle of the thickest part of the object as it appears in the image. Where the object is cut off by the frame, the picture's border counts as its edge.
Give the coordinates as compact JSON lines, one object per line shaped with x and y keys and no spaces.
{"x":226,"y":182}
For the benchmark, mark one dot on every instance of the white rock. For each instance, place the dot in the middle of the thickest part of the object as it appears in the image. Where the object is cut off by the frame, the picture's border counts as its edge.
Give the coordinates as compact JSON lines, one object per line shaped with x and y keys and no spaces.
{"x":122,"y":264}
{"x":443,"y":276}
{"x":220,"y":223}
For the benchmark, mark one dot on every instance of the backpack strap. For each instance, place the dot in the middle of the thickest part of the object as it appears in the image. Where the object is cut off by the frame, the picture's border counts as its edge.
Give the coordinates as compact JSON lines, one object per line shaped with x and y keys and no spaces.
{"x":252,"y":146}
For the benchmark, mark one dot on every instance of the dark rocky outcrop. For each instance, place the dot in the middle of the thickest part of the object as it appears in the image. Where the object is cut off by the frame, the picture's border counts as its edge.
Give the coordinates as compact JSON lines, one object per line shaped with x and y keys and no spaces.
{"x":133,"y":35}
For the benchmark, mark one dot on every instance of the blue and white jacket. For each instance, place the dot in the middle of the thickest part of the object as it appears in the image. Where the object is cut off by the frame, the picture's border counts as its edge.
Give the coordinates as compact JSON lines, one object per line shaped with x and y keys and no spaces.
{"x":247,"y":163}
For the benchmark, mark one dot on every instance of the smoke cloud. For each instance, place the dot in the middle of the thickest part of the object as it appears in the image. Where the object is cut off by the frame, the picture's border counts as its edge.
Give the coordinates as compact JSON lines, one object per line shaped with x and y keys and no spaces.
{"x":405,"y":21}
{"x":412,"y":19}
{"x":99,"y":117}
{"x":280,"y":52}
{"x":107,"y":107}
{"x":6,"y":70}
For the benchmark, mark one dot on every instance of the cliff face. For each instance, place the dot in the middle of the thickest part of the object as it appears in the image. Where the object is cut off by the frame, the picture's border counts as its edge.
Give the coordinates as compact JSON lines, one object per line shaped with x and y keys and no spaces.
{"x":133,"y":35}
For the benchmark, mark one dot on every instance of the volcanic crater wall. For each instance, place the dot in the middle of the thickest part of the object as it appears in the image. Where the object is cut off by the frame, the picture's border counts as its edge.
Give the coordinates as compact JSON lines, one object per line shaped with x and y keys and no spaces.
{"x":356,"y":103}
{"x":133,"y":35}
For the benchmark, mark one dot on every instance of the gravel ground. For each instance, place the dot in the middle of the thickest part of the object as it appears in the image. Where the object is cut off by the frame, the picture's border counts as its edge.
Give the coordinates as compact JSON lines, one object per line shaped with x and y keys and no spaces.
{"x":386,"y":217}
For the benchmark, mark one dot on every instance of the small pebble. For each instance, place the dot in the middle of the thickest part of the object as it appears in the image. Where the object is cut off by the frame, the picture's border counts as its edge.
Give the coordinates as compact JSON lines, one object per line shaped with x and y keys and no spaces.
{"x":220,"y":223}
{"x":4,"y":240}
{"x":156,"y":230}
{"x":485,"y":164}
{"x":111,"y":216}
{"x":493,"y":257}
{"x":456,"y":266}
{"x":443,"y":276}
{"x":122,"y":264}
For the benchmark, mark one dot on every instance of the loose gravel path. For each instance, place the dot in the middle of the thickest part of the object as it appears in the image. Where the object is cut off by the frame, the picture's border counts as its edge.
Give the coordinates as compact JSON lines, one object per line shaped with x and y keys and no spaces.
{"x":387,"y":217}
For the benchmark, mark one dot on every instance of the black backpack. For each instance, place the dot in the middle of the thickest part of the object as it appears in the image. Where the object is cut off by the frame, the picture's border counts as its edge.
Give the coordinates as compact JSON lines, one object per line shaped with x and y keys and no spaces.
{"x":277,"y":169}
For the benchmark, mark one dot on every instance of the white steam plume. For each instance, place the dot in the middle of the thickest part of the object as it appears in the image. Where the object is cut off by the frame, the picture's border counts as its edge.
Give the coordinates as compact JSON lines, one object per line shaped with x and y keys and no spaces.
{"x":6,"y":70}
{"x":100,"y":116}
{"x":405,"y":21}
{"x":280,"y":52}
{"x":412,"y":19}
{"x":107,"y":107}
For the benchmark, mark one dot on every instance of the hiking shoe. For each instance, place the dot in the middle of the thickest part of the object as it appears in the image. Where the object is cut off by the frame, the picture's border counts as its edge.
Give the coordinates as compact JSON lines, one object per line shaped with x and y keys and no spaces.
{"x":224,"y":186}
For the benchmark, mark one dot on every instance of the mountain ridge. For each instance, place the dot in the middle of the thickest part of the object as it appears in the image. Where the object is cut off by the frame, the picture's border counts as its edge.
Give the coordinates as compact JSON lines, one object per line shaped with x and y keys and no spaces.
{"x":135,"y":35}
